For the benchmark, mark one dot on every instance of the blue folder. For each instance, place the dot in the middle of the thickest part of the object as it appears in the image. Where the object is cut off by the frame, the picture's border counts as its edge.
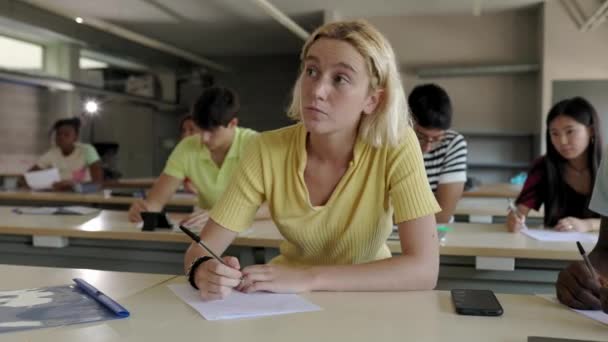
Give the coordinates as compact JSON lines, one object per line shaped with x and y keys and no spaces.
{"x":54,"y":306}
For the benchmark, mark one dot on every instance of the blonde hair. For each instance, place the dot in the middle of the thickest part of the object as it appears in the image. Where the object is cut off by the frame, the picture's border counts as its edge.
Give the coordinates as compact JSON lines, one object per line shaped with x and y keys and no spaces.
{"x":388,"y":124}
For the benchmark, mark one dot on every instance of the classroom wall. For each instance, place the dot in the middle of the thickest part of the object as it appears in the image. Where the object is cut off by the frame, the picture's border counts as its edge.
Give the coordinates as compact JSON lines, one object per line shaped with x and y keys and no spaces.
{"x":482,"y":103}
{"x":569,"y":54}
{"x":486,"y":103}
{"x":146,"y":136}
{"x":264,"y":84}
{"x":26,"y":116}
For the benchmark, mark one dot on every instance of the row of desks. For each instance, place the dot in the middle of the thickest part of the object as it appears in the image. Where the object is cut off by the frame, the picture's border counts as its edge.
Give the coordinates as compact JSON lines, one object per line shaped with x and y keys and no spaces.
{"x":475,"y":209}
{"x":472,"y":255}
{"x":158,"y":315}
{"x":466,"y":239}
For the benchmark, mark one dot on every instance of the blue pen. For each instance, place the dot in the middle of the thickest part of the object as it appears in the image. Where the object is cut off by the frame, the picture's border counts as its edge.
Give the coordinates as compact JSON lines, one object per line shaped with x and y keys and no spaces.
{"x":99,"y":296}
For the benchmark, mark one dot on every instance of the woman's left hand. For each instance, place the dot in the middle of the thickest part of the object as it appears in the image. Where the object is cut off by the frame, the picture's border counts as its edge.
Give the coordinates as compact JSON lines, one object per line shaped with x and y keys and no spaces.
{"x":572,"y":224}
{"x":276,"y":278}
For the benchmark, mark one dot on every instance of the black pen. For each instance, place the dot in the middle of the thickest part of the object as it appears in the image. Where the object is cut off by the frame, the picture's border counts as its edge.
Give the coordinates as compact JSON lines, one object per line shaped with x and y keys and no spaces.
{"x":198,"y":240}
{"x":586,"y":258}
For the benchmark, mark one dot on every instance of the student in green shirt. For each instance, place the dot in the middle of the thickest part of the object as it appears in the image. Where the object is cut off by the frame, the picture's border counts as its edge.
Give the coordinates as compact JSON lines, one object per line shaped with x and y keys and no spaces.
{"x":207,"y":159}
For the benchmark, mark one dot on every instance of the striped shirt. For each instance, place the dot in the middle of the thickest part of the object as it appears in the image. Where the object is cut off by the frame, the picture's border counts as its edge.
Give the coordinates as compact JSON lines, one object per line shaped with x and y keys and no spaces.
{"x":447,"y":163}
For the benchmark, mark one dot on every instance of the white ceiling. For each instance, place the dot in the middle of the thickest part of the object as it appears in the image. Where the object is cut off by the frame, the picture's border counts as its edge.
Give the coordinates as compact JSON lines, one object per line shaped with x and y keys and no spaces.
{"x":239,"y":27}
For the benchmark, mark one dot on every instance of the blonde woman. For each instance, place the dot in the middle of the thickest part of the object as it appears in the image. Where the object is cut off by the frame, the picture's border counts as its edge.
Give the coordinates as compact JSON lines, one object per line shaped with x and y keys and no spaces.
{"x":333,"y":182}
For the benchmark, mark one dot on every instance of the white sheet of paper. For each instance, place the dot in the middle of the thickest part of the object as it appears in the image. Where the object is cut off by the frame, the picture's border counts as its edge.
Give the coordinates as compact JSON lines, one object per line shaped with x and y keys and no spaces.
{"x":80,"y":210}
{"x":42,"y":179}
{"x":70,"y":210}
{"x":36,"y":211}
{"x":597,"y":315}
{"x":555,"y":236}
{"x":241,"y":305}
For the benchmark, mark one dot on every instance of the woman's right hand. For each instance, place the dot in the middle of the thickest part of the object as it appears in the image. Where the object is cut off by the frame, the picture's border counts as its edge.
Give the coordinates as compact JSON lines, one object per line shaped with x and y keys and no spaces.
{"x":217,"y":281}
{"x":515,"y":222}
{"x":137,"y":207}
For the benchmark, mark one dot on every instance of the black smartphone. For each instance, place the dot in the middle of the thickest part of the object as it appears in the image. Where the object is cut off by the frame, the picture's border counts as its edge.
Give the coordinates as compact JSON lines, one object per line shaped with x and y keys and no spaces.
{"x":476,"y":302}
{"x":153,"y":220}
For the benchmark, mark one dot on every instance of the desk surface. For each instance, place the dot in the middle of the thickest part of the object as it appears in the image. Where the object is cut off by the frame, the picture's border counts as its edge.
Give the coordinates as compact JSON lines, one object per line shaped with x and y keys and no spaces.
{"x":77,"y":198}
{"x":115,"y":284}
{"x":490,"y":206}
{"x":131,"y":183}
{"x":466,"y":206}
{"x":503,"y":190}
{"x":158,"y":315}
{"x":466,"y":239}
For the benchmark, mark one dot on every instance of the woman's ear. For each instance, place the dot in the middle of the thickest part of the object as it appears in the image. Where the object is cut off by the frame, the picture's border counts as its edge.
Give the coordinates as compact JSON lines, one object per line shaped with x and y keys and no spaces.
{"x":373,"y":100}
{"x":233,"y":123}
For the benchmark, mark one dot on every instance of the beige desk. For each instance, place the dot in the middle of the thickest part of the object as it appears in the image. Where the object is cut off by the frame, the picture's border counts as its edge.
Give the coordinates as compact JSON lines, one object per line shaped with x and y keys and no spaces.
{"x":471,"y":252}
{"x":131,"y":183}
{"x":113,"y":225}
{"x":486,"y":210}
{"x":158,"y":315}
{"x":502,"y":190}
{"x":48,"y":198}
{"x":105,"y":240}
{"x":118,"y":285}
{"x":466,"y":239}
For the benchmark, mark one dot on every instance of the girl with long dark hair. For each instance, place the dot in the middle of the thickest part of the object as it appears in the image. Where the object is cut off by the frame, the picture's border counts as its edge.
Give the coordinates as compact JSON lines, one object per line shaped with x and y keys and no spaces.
{"x":562,"y":179}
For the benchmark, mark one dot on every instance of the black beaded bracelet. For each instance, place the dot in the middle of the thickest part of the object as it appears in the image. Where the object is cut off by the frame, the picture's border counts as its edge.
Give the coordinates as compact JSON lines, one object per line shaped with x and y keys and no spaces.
{"x":195,"y":264}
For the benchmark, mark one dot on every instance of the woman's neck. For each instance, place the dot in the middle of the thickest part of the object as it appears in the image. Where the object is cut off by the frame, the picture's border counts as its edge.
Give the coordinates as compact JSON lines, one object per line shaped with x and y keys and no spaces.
{"x":67,"y":150}
{"x":336,"y":148}
{"x":579,"y":163}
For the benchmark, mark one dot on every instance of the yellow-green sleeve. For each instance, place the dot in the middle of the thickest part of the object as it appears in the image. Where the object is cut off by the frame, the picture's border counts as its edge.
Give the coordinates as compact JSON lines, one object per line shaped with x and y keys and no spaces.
{"x":239,"y":203}
{"x":409,"y":189}
{"x":176,"y":164}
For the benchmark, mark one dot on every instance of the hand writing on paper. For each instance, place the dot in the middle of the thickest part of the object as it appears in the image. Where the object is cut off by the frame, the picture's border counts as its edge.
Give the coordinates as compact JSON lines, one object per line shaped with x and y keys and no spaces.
{"x":216,"y":281}
{"x":576,"y":287}
{"x":276,"y":278}
{"x":572,"y":224}
{"x":515,"y":222}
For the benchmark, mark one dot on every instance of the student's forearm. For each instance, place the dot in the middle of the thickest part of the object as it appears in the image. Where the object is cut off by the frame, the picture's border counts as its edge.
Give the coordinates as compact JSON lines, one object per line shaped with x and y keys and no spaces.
{"x":216,"y":237}
{"x":162,"y":190}
{"x":444,"y":216}
{"x":399,"y":273}
{"x":447,"y":195}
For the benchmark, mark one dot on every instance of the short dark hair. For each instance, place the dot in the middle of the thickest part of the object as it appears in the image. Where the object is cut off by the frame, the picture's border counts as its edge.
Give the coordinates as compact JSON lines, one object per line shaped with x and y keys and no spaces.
{"x":431,"y":106}
{"x":72,"y":122}
{"x":215,"y":107}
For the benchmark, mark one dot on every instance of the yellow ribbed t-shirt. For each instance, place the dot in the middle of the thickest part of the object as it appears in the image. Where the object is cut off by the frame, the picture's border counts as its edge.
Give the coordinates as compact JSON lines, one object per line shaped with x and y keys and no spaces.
{"x":354,"y":224}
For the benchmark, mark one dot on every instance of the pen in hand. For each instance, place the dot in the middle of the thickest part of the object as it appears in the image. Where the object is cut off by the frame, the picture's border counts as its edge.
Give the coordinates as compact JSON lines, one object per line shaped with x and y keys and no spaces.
{"x":586,"y":259}
{"x":519,"y":216}
{"x":198,"y":240}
